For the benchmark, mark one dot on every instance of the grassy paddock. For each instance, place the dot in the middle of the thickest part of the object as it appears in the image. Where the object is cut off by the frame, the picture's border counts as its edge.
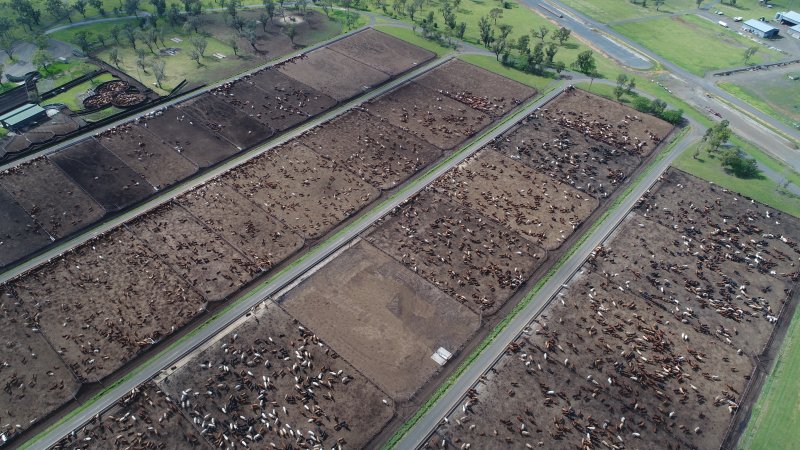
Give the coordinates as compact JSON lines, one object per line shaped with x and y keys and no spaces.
{"x":775,"y":95}
{"x":613,"y":10}
{"x":71,"y":97}
{"x":694,"y":43}
{"x":491,"y":64}
{"x":411,"y":37}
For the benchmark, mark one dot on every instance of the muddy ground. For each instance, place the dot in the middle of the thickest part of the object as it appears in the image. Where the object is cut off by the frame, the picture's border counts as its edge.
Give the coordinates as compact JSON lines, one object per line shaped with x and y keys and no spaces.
{"x":470,"y":257}
{"x":438,"y":119}
{"x":222,"y":117}
{"x":159,"y":163}
{"x":568,"y":156}
{"x":192,"y":140}
{"x":303,"y":190}
{"x":20,"y":235}
{"x":112,"y":183}
{"x":607,"y":121}
{"x":256,"y":234}
{"x":476,"y":87}
{"x":540,"y":208}
{"x":381,"y":317}
{"x":378,"y":152}
{"x":35,"y":380}
{"x":146,"y":418}
{"x":273,"y":374}
{"x":106,"y":301}
{"x":333,"y":73}
{"x":209,"y":263}
{"x":382,"y":51}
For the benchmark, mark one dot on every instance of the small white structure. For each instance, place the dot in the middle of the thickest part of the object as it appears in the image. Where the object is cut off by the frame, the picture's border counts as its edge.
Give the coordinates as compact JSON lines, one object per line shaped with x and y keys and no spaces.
{"x":794,"y":32}
{"x":441,"y":356}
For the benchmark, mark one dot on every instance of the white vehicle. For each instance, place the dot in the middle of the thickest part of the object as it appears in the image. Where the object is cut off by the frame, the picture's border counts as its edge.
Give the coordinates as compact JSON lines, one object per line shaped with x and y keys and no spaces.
{"x":723,"y":24}
{"x":737,"y":19}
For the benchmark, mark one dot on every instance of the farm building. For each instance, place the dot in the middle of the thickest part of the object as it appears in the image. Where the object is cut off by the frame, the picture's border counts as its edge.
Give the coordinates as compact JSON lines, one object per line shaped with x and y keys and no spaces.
{"x":794,"y":31}
{"x":23,"y":116}
{"x":788,"y":18}
{"x":760,"y":29}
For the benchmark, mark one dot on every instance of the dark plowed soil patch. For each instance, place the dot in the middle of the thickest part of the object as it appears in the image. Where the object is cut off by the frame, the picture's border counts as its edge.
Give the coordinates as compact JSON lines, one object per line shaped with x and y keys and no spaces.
{"x":20,"y":235}
{"x":334,"y":74}
{"x":470,"y":257}
{"x":105,"y":302}
{"x":438,"y":119}
{"x":59,"y":204}
{"x":241,"y":222}
{"x":380,"y":317}
{"x":217,"y":115}
{"x":158,"y":162}
{"x":100,"y":173}
{"x":303,"y":190}
{"x":380,"y":153}
{"x":476,"y":87}
{"x":259,"y":356}
{"x":35,"y":380}
{"x":383,"y":52}
{"x":189,"y":137}
{"x":199,"y":255}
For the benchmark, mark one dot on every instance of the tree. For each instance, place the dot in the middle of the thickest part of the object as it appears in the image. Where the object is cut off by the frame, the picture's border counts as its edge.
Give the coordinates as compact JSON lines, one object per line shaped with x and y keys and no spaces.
{"x":140,"y":56}
{"x":98,"y":5}
{"x":412,"y":8}
{"x":585,"y":63}
{"x":658,"y":106}
{"x":80,"y":6}
{"x":559,"y":66}
{"x":41,"y":59}
{"x":619,"y":89}
{"x":535,"y":59}
{"x":748,"y":54}
{"x":27,"y":15}
{"x":234,"y":43}
{"x":113,"y":55}
{"x":699,"y":2}
{"x":115,"y":32}
{"x":249,"y":32}
{"x":58,"y":9}
{"x":159,"y":70}
{"x":151,"y":38}
{"x":326,"y":6}
{"x":269,"y":7}
{"x":132,"y":8}
{"x":264,"y":19}
{"x":495,"y":13}
{"x":658,"y":3}
{"x":461,"y":29}
{"x":717,"y":135}
{"x":487,"y":34}
{"x":194,"y":23}
{"x":196,"y":56}
{"x":630,"y":86}
{"x":7,"y":43}
{"x":233,"y":8}
{"x":449,"y":15}
{"x":160,"y":6}
{"x":550,"y":53}
{"x":291,"y":32}
{"x":174,"y":16}
{"x":523,"y":44}
{"x":83,"y":40}
{"x":541,"y":33}
{"x":41,"y":41}
{"x":302,"y":6}
{"x":498,"y":47}
{"x":199,"y":43}
{"x":741,"y":166}
{"x":561,"y":35}
{"x":129,"y":33}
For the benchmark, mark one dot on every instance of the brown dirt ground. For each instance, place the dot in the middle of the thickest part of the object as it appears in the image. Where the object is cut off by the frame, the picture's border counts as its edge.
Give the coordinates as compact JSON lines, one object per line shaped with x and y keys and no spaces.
{"x":209,"y":263}
{"x":381,"y":317}
{"x":244,"y":225}
{"x":156,"y":161}
{"x":333,"y":73}
{"x":20,"y":235}
{"x":303,"y":190}
{"x":383,"y":52}
{"x":476,"y":87}
{"x":568,"y":156}
{"x":438,"y":119}
{"x":470,"y":257}
{"x":276,"y":100}
{"x":144,"y":419}
{"x":222,"y":117}
{"x":697,"y":208}
{"x":531,"y":203}
{"x":35,"y":380}
{"x":102,"y":175}
{"x":608,"y":121}
{"x":194,"y":141}
{"x":381,"y":154}
{"x":73,"y":297}
{"x":254,"y":355}
{"x":51,"y":197}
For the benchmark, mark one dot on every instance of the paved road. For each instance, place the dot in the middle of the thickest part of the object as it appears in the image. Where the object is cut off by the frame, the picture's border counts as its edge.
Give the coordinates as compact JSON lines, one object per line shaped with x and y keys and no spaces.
{"x":170,"y":193}
{"x":615,"y":50}
{"x":453,"y":397}
{"x":149,"y":369}
{"x":775,"y":145}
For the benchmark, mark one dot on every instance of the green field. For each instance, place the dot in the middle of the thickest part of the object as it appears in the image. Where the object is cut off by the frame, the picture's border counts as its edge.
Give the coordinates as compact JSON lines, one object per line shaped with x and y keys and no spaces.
{"x":490,"y":63}
{"x":73,"y":97}
{"x":694,"y":43}
{"x":774,"y":418}
{"x":609,"y":11}
{"x":773,"y":94}
{"x":408,"y":35}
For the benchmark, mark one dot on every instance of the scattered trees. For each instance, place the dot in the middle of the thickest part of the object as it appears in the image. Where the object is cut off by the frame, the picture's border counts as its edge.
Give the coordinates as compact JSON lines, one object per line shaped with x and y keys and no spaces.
{"x":41,"y":59}
{"x":749,"y":53}
{"x":199,"y":44}
{"x":113,"y":55}
{"x":80,"y":6}
{"x":735,"y":161}
{"x":717,"y":135}
{"x":159,"y":70}
{"x":541,"y":33}
{"x":291,"y":32}
{"x":561,"y":35}
{"x":487,"y":34}
{"x":83,"y":40}
{"x":58,"y":9}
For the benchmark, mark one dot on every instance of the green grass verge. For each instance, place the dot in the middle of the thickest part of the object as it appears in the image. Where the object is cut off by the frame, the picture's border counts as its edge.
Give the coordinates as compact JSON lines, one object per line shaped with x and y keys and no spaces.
{"x":409,"y":36}
{"x":785,"y":97}
{"x":3,"y":132}
{"x":774,"y":418}
{"x":71,"y":97}
{"x":694,"y":43}
{"x":392,"y":442}
{"x":608,"y":11}
{"x":490,"y":63}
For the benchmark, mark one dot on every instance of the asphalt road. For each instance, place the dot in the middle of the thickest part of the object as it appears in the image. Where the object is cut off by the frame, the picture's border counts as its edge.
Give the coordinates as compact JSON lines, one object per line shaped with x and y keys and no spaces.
{"x":151,"y":368}
{"x":453,"y":397}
